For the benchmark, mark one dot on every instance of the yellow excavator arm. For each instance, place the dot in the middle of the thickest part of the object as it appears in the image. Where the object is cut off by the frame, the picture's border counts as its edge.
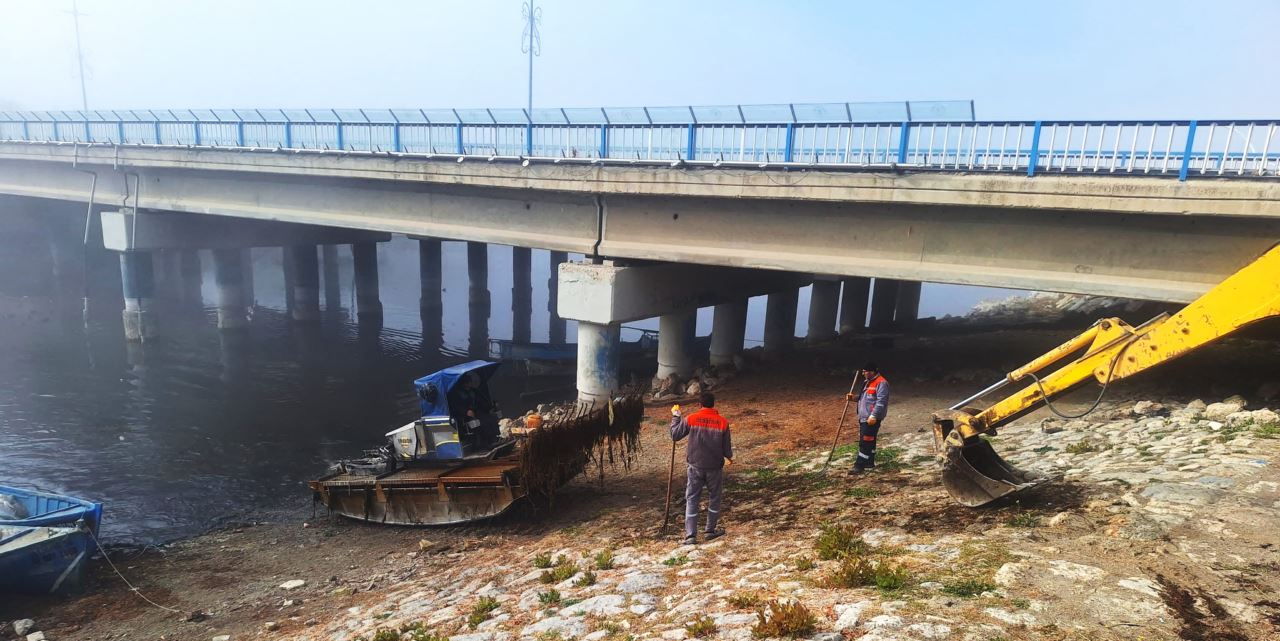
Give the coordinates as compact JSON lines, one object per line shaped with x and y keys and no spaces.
{"x":1108,"y":351}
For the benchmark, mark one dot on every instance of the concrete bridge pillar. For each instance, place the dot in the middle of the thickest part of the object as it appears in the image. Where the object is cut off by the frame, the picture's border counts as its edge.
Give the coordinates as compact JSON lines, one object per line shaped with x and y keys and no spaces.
{"x":332,"y":286}
{"x":364,"y":256}
{"x":137,"y":276}
{"x":192,"y":277}
{"x":824,"y":300}
{"x":853,"y":304}
{"x":556,"y":326}
{"x":907,"y":307}
{"x":246,"y":268}
{"x":884,"y":298}
{"x":306,"y":283}
{"x":728,"y":329}
{"x":233,"y":306}
{"x":478,"y":300}
{"x":521,"y":294}
{"x":598,"y":347}
{"x":430,"y":302}
{"x":675,"y":344}
{"x":780,"y":320}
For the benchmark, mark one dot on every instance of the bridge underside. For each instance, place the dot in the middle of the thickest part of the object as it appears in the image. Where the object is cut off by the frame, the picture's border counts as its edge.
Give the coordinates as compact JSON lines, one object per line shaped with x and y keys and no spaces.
{"x":1124,"y":237}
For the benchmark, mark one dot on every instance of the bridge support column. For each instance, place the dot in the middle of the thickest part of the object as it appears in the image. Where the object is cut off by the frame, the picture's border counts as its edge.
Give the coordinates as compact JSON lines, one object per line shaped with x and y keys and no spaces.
{"x":246,"y":268}
{"x":907,"y":306}
{"x":824,"y":299}
{"x":233,"y":306}
{"x":521,"y":294}
{"x":478,"y":300}
{"x":332,"y":286}
{"x":430,"y":303}
{"x":189,"y":271}
{"x":675,"y":344}
{"x":138,"y":279}
{"x":556,"y":328}
{"x":884,"y":297}
{"x":728,"y":329}
{"x":306,"y":283}
{"x":853,"y":304}
{"x":780,"y":320}
{"x":598,"y":347}
{"x":364,"y":256}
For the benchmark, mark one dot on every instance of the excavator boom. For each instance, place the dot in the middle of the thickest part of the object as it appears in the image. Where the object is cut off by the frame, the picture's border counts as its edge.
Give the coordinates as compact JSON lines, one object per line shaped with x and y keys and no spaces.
{"x":1108,"y":351}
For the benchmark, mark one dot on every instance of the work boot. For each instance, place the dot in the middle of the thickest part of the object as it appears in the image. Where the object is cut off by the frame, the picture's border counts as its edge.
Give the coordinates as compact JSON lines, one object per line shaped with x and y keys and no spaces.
{"x":856,"y":471}
{"x":690,"y":540}
{"x":713,"y":534}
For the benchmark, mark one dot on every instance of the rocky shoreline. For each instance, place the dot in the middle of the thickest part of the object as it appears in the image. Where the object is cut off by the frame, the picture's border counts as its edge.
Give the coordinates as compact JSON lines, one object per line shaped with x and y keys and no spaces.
{"x":1035,"y":574}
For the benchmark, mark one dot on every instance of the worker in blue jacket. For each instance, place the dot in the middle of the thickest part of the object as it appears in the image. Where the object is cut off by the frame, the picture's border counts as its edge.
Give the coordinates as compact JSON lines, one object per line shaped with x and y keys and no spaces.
{"x":873,"y":405}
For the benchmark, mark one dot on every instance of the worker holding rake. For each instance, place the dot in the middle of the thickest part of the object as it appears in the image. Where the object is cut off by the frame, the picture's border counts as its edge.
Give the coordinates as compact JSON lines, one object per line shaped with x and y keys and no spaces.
{"x":710,"y":449}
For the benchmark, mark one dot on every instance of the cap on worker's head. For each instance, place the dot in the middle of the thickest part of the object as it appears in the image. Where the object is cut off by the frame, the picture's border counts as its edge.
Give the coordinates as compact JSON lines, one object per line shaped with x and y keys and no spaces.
{"x":708,"y":399}
{"x":870,"y":367}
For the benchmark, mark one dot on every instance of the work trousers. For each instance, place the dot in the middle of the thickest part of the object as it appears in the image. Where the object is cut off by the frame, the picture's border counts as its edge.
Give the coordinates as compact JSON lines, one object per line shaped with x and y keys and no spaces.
{"x":866,"y":445}
{"x":699,"y":478}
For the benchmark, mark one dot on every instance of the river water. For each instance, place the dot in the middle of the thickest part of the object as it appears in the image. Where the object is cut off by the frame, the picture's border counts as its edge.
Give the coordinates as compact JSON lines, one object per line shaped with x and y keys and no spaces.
{"x":199,"y":426}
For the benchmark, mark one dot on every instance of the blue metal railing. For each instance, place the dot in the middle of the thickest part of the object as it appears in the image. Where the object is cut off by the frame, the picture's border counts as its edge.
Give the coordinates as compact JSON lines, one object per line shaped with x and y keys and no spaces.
{"x":843,"y":135}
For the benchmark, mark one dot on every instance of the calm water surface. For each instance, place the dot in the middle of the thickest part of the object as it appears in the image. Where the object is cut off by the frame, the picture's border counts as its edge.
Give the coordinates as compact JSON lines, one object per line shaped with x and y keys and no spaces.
{"x":200,"y":426}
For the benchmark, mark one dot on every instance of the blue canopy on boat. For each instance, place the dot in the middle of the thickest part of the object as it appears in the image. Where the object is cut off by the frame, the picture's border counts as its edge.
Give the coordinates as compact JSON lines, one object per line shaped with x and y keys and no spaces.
{"x":433,"y":389}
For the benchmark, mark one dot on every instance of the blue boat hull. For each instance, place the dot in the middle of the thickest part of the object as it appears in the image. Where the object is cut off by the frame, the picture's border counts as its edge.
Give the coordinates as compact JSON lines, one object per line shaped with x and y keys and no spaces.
{"x":47,"y":550}
{"x":55,"y":563}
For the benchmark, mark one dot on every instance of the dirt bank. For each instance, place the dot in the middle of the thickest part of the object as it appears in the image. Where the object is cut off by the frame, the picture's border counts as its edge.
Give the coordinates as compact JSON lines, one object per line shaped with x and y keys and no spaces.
{"x":1133,"y":542}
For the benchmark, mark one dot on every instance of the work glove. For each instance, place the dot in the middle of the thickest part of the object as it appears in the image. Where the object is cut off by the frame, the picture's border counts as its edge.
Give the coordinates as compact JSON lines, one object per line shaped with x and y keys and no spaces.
{"x":871,"y":420}
{"x":675,"y":410}
{"x":851,"y":396}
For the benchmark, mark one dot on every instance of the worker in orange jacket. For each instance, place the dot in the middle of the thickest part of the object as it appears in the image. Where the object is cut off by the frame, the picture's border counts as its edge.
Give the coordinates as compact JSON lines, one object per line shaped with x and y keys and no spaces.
{"x":710,"y":449}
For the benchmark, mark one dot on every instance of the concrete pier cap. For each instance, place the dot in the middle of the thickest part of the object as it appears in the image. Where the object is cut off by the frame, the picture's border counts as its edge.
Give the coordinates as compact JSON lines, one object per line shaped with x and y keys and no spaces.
{"x":609,"y":294}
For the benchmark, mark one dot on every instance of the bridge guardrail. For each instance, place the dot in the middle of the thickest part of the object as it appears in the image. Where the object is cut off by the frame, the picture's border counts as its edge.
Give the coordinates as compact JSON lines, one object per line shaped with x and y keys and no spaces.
{"x":764,"y":135}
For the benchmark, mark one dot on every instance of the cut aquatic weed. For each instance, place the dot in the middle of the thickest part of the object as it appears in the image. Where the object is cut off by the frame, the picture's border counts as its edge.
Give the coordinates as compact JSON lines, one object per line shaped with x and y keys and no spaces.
{"x":1024,"y":519}
{"x":561,"y":572}
{"x":549,"y":635}
{"x":542,"y":561}
{"x":1081,"y":447}
{"x":966,"y":588}
{"x":588,"y":578}
{"x":804,"y":563}
{"x":890,"y":577}
{"x":836,"y":541}
{"x":1268,"y":430}
{"x":386,"y":634}
{"x":550,"y":597}
{"x":604,"y":560}
{"x":418,"y":631}
{"x":744,"y":600}
{"x":853,"y":571}
{"x":889,"y":459}
{"x":679,"y":559}
{"x":701,"y":627}
{"x":482,"y":610}
{"x":859,"y":492}
{"x":784,"y":620}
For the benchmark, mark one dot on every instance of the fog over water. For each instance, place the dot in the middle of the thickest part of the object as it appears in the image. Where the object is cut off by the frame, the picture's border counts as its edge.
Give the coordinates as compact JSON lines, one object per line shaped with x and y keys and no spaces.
{"x":199,"y":426}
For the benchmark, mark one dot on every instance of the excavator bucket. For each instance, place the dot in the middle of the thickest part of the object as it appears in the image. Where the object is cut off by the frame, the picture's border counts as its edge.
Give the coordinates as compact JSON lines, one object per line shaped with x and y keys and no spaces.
{"x":973,"y":474}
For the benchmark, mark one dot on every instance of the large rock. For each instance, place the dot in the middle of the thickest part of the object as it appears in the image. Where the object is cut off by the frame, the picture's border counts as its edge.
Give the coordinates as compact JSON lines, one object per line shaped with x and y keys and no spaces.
{"x":1220,"y":411}
{"x":605,"y":605}
{"x":847,"y":614}
{"x":566,"y":627}
{"x":23,"y":626}
{"x":1181,"y":493}
{"x":1147,"y":408}
{"x":641,"y":582}
{"x":1256,"y":417}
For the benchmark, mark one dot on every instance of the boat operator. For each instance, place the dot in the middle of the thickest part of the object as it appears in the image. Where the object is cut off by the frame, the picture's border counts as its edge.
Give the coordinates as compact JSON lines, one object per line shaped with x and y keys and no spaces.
{"x":472,"y":411}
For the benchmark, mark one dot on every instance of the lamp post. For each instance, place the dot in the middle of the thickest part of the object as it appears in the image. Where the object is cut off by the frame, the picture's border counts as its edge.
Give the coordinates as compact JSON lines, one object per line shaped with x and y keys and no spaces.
{"x":531,"y":43}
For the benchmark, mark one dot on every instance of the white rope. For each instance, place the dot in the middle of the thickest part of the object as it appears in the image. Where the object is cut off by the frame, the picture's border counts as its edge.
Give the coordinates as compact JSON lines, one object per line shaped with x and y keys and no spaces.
{"x":126,"y":581}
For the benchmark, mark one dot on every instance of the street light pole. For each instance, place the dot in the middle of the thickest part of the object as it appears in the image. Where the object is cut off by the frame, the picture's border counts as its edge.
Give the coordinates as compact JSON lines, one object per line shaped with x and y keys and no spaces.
{"x":84,"y":94}
{"x":531,"y":44}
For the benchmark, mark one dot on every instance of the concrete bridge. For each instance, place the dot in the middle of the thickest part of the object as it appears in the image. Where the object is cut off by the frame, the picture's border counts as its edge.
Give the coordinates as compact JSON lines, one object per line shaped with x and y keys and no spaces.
{"x":677,"y":216}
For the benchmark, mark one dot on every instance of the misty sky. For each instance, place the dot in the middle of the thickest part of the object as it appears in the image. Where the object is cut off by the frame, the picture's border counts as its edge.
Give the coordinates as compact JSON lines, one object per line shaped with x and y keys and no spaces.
{"x":1160,"y":59}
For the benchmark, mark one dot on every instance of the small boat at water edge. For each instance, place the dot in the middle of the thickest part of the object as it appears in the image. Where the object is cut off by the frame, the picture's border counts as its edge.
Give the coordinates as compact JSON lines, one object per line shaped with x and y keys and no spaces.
{"x":45,"y":540}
